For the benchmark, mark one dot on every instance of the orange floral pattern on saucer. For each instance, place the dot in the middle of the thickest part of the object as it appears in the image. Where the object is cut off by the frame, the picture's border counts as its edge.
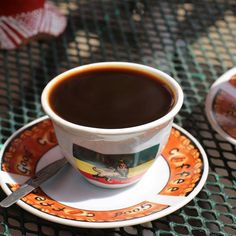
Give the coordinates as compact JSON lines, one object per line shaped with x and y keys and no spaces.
{"x":232,"y":81}
{"x":183,"y":157}
{"x":224,"y":110}
{"x":28,"y":147}
{"x":185,"y":164}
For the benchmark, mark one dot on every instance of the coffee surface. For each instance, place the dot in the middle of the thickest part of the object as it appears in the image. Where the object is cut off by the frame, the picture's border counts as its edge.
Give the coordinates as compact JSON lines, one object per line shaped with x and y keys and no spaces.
{"x":111,"y":98}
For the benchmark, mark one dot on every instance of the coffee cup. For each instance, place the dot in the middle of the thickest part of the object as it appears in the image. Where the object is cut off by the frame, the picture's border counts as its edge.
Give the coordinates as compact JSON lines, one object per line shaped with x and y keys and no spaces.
{"x":112,"y":119}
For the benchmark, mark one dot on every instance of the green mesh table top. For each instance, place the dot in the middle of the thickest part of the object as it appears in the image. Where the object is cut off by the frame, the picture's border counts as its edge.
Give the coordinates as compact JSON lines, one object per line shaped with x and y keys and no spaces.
{"x":194,"y":41}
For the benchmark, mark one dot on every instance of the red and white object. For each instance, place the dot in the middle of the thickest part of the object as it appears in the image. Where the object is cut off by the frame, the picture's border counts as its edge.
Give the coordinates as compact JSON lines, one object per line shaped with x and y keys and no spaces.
{"x":22,"y":20}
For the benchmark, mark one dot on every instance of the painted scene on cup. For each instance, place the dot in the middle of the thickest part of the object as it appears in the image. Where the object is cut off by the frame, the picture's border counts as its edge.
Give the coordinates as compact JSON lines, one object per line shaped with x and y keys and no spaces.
{"x":113,"y":168}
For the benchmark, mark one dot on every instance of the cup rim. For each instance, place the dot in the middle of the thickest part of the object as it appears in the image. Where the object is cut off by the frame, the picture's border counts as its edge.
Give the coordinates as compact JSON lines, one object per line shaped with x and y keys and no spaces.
{"x":179,"y":96}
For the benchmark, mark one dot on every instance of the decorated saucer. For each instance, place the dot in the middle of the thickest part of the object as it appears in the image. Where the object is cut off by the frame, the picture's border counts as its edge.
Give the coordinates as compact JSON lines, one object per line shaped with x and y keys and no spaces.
{"x":174,"y":179}
{"x":220,"y":106}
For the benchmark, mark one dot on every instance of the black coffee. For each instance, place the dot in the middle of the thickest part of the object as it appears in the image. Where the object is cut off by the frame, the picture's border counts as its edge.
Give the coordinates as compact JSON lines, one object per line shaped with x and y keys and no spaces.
{"x":111,"y":98}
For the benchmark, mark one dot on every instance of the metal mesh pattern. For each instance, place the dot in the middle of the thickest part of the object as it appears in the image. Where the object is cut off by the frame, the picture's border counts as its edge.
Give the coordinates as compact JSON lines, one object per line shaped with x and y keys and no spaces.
{"x":194,"y":41}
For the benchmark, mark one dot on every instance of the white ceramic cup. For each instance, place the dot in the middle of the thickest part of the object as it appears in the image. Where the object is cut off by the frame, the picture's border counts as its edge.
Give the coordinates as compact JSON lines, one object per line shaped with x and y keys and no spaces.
{"x":130,"y":151}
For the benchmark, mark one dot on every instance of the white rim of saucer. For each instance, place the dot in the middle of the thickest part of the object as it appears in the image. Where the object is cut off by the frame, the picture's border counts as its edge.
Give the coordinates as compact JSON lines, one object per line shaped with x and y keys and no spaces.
{"x":208,"y":104}
{"x":121,"y":223}
{"x":176,"y":89}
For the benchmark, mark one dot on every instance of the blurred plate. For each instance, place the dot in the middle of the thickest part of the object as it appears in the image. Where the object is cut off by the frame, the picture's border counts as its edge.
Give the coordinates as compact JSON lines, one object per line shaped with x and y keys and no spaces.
{"x":220,"y":106}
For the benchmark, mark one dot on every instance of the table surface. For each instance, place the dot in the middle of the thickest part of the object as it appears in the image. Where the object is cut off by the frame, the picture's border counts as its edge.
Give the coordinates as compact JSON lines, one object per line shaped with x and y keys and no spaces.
{"x":194,"y":41}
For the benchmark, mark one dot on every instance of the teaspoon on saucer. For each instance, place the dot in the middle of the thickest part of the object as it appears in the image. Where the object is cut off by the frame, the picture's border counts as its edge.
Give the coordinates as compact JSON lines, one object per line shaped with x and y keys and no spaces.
{"x":40,"y":177}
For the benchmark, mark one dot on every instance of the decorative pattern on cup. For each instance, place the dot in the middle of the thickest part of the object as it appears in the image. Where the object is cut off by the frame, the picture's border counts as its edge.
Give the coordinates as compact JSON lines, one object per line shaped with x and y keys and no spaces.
{"x":113,"y":169}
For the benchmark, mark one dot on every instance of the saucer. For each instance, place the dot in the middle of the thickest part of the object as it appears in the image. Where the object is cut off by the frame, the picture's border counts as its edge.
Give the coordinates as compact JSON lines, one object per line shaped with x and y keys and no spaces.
{"x":174,"y":179}
{"x":220,"y":106}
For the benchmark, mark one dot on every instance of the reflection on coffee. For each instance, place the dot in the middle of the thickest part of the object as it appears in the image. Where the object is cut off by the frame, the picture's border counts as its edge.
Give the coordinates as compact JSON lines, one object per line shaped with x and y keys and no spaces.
{"x":111,"y":98}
